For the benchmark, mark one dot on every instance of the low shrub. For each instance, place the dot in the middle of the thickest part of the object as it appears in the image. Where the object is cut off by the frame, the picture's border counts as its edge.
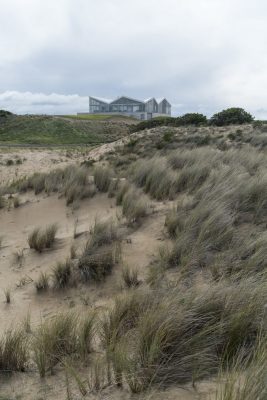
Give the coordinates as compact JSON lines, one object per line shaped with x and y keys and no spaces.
{"x":153,"y":123}
{"x":231,"y":116}
{"x":9,"y":162}
{"x":191,"y":119}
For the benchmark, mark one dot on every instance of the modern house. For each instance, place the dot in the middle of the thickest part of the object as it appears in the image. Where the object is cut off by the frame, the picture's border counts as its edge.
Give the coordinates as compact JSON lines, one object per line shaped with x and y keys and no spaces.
{"x":123,"y":105}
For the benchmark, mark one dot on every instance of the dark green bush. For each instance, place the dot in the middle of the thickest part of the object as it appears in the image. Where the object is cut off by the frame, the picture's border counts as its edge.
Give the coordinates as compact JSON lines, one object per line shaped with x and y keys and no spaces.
{"x":9,"y":162}
{"x":230,"y":116}
{"x":186,"y":119}
{"x":153,"y":123}
{"x":191,"y":119}
{"x":5,"y":114}
{"x":168,"y":136}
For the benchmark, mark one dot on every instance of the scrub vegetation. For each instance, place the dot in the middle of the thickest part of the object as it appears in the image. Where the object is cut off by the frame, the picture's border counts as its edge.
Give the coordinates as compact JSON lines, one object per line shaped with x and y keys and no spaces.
{"x":168,"y":286}
{"x":48,"y":130}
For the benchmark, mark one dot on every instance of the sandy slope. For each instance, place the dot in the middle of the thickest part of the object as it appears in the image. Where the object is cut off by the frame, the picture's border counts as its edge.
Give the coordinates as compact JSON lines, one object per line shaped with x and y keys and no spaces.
{"x":15,"y":224}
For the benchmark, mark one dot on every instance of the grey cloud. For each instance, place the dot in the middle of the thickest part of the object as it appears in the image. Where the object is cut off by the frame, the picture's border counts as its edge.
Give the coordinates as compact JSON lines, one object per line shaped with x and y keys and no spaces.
{"x":204,"y":55}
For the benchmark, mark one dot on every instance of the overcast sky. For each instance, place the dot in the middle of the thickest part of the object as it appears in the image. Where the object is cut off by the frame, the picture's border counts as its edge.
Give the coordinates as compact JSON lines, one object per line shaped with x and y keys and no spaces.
{"x":203,"y":55}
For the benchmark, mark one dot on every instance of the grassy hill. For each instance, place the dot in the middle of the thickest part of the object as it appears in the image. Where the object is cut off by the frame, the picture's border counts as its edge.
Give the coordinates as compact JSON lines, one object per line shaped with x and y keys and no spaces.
{"x":60,"y":130}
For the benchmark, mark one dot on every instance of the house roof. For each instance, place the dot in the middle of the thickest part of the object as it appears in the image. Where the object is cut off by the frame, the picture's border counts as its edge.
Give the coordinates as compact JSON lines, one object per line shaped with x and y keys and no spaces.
{"x":127,"y":97}
{"x":101,"y":99}
{"x":161,"y":100}
{"x":109,"y":101}
{"x":150,"y":98}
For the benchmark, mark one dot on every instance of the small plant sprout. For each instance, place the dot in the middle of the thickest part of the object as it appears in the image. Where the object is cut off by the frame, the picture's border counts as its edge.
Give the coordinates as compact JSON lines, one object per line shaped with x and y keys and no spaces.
{"x":8,"y":295}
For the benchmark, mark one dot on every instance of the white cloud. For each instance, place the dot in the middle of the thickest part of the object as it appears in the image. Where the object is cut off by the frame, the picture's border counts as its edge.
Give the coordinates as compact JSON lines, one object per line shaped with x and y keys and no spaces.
{"x":40,"y":103}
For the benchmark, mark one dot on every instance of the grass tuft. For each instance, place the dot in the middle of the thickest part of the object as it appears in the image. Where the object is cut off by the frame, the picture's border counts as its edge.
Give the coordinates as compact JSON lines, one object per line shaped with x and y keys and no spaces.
{"x":61,"y":274}
{"x":130,"y":277}
{"x":102,"y":178}
{"x":42,"y":239}
{"x":54,"y":340}
{"x":14,"y":351}
{"x":42,"y":283}
{"x":8,"y":295}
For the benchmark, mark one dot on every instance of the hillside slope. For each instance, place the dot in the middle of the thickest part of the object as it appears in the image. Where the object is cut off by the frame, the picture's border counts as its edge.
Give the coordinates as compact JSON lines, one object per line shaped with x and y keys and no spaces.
{"x":56,"y":130}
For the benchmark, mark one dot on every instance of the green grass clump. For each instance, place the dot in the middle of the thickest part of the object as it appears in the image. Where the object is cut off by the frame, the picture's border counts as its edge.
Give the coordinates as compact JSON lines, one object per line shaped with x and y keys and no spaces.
{"x":156,"y":178}
{"x":40,"y":239}
{"x":61,"y":274}
{"x":42,"y":283}
{"x":209,"y":229}
{"x":123,"y":188}
{"x":14,"y":351}
{"x":16,"y":201}
{"x":9,"y":162}
{"x":72,"y":182}
{"x":103,"y":233}
{"x":101,"y":252}
{"x":36,"y":183}
{"x":8,"y":295}
{"x":2,"y":202}
{"x":55,"y":339}
{"x":130,"y":277}
{"x":61,"y":336}
{"x":102,"y":178}
{"x":96,"y":264}
{"x":246,"y":379}
{"x":135,"y":204}
{"x":86,"y":332}
{"x":175,"y":336}
{"x":122,"y":317}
